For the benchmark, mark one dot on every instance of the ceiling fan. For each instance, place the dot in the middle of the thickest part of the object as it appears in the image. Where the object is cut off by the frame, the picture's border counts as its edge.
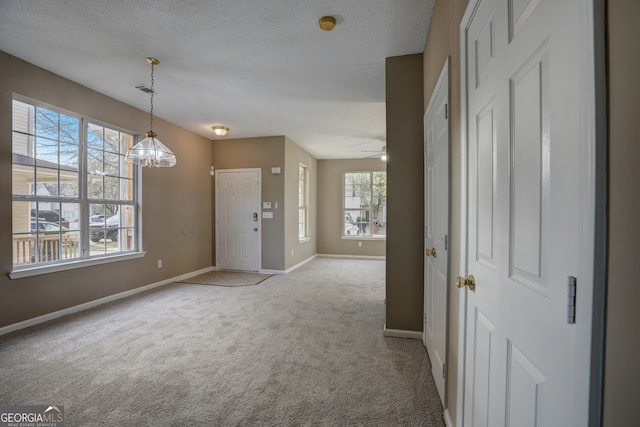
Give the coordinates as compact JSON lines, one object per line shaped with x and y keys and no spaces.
{"x":382,"y":153}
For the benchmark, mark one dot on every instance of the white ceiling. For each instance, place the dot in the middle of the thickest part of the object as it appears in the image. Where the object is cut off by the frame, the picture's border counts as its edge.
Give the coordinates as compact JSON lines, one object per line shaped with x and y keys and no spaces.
{"x":260,"y":67}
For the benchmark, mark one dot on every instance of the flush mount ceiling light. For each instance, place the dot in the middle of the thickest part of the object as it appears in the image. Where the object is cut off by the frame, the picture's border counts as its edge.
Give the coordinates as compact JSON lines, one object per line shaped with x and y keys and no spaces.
{"x":150,"y":152}
{"x":327,"y":23}
{"x":220,"y":130}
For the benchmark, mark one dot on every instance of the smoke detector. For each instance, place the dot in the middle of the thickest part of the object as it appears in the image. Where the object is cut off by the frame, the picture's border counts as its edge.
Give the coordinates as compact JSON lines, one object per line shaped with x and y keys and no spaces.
{"x":327,"y":23}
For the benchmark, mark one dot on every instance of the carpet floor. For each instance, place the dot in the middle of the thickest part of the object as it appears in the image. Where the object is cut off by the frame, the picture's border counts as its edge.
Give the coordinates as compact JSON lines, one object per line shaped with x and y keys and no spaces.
{"x":302,"y":349}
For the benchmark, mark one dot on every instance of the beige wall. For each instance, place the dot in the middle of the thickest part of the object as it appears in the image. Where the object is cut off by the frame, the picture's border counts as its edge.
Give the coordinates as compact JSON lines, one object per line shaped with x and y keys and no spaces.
{"x":294,"y":155}
{"x":330,"y":220}
{"x":405,"y":193}
{"x":263,"y":153}
{"x":622,"y":371}
{"x":176,"y":202}
{"x":443,"y":40}
{"x":280,"y":234}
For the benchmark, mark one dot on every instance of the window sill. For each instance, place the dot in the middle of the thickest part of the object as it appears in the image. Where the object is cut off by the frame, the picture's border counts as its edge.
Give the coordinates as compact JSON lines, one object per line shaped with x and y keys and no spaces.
{"x":45,"y":269}
{"x":304,"y":240}
{"x":356,"y":237}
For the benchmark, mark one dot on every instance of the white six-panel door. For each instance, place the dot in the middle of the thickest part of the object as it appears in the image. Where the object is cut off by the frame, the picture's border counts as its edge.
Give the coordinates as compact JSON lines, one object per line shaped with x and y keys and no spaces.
{"x":436,"y":220}
{"x":523,"y":243}
{"x":237,"y":219}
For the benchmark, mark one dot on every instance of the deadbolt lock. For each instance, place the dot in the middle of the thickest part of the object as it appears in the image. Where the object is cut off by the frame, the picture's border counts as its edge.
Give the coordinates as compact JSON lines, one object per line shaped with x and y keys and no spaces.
{"x":430,"y":252}
{"x":470,"y":282}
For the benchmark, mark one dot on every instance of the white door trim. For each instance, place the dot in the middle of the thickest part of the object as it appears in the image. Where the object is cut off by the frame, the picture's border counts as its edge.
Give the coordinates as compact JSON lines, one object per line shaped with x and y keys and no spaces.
{"x":589,"y":202}
{"x":217,"y":216}
{"x":464,"y":197}
{"x":443,"y":84}
{"x":598,"y":32}
{"x":588,"y":207}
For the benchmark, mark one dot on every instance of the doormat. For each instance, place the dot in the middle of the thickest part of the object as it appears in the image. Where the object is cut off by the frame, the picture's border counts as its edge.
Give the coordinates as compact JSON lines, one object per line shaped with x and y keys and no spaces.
{"x":227,"y":278}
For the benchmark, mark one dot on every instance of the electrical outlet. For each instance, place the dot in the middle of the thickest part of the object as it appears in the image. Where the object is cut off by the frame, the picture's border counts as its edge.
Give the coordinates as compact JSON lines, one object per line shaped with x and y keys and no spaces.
{"x":159,"y":263}
{"x":359,"y":244}
{"x":291,"y":252}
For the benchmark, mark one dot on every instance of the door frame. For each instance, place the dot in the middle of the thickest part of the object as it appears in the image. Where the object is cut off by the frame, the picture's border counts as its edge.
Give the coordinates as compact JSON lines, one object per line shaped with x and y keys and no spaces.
{"x":217,"y":215}
{"x":444,"y":78}
{"x":592,"y":219}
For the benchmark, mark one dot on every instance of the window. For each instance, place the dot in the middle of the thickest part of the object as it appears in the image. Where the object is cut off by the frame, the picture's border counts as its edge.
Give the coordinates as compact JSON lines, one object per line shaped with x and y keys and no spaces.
{"x":365,"y":204}
{"x":303,"y":202}
{"x":74,"y":195}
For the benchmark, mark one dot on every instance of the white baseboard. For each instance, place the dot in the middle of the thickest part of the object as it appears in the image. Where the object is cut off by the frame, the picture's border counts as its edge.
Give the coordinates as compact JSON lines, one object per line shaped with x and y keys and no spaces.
{"x":272,"y":271}
{"x":379,"y":257}
{"x":399,"y":333}
{"x":87,"y":305}
{"x":447,"y":418}
{"x":288,"y":270}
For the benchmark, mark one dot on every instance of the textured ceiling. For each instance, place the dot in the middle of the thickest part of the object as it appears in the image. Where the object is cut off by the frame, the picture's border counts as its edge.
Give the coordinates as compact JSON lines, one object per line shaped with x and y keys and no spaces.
{"x":260,"y":67}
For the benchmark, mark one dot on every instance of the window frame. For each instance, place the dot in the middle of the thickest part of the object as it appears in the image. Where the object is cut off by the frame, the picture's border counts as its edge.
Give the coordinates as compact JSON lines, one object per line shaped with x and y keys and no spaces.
{"x":84,"y":257}
{"x":344,"y":210}
{"x":304,"y":206}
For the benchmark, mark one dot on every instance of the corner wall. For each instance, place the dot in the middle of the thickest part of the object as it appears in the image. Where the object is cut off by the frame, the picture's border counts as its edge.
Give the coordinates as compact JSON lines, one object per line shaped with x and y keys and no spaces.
{"x":443,"y":40}
{"x":263,"y":153}
{"x":330,"y":221}
{"x":294,"y":155}
{"x":622,"y":371}
{"x":405,"y":193}
{"x":176,"y":202}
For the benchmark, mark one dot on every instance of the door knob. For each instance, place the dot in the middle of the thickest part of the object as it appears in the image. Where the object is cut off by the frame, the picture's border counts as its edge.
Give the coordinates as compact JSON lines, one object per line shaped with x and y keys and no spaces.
{"x":470,"y":282}
{"x":430,"y":252}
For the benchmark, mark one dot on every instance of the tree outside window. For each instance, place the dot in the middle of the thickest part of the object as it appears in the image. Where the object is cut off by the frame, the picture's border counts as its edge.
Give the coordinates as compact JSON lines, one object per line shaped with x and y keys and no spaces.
{"x":73,"y":193}
{"x":365,"y":204}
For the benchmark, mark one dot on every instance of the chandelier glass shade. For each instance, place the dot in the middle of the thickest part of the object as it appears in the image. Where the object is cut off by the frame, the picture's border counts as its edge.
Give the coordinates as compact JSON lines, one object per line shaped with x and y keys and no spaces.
{"x":150,"y":152}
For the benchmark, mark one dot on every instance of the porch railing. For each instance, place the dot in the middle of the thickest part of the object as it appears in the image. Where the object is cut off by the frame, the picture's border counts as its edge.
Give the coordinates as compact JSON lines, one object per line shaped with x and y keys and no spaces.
{"x":51,"y":248}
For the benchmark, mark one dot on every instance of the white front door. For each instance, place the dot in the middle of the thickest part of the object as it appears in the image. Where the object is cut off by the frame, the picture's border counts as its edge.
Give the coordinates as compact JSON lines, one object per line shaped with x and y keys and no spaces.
{"x":238,"y":219}
{"x":436,"y":220}
{"x":526,"y":183}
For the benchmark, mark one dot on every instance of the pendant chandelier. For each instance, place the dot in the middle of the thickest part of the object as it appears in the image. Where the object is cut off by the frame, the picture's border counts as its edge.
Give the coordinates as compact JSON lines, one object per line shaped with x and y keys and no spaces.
{"x":150,"y":152}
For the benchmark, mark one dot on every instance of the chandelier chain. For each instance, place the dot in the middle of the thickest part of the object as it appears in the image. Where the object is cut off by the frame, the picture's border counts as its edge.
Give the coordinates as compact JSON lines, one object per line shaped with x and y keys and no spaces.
{"x":152,"y":91}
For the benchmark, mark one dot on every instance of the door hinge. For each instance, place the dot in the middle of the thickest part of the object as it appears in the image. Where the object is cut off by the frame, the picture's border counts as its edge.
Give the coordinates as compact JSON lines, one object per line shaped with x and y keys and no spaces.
{"x":446,"y":111}
{"x":571,"y":300}
{"x":444,"y":369}
{"x":446,"y":242}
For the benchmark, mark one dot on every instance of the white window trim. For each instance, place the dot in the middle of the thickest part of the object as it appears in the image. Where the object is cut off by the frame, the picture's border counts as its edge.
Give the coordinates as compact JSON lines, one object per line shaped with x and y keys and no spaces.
{"x":306,"y":236}
{"x":36,"y":270}
{"x":364,"y":237}
{"x":72,"y":265}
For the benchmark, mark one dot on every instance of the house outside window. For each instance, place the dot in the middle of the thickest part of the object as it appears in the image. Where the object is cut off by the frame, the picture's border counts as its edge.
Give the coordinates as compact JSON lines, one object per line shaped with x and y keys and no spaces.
{"x":365,"y":205}
{"x":303,"y":202}
{"x":74,"y":196}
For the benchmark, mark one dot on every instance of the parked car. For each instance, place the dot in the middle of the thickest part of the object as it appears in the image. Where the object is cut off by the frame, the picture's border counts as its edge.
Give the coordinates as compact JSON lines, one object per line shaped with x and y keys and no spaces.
{"x":96,"y":218}
{"x":350,"y":228}
{"x":46,"y":227}
{"x":51,"y":216}
{"x":105,"y":230}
